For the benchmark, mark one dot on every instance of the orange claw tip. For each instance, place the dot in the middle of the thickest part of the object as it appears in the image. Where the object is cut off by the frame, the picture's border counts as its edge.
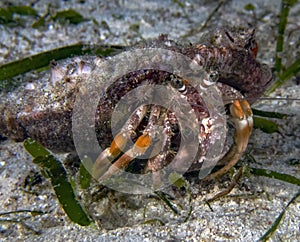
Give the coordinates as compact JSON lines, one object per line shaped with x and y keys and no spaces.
{"x":118,"y":144}
{"x":143,"y":141}
{"x":236,"y":109}
{"x":240,"y":108}
{"x":246,"y":107}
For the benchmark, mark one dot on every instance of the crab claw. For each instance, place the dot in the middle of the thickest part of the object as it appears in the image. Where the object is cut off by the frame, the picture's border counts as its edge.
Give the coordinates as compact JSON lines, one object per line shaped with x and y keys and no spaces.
{"x":103,"y":169}
{"x":109,"y":154}
{"x":139,"y":148}
{"x":241,"y":113}
{"x":105,"y":159}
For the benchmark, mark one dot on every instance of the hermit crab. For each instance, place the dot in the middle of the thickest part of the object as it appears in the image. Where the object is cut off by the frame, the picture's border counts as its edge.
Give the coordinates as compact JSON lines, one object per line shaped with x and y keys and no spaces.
{"x":144,"y":137}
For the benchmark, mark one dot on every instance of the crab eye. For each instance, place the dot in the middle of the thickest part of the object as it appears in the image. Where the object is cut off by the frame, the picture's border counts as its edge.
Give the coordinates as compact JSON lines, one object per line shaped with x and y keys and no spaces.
{"x":178,"y":83}
{"x":213,"y":76}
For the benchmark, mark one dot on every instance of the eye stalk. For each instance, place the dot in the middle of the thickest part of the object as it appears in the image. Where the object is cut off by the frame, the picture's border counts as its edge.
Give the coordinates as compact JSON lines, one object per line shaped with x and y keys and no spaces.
{"x":179,"y":84}
{"x":214,"y":76}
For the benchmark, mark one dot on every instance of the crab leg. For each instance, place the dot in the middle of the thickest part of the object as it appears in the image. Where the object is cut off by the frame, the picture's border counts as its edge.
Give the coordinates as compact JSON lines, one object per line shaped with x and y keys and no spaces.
{"x":241,"y":112}
{"x":140,"y":147}
{"x":233,"y":183}
{"x":159,"y":160}
{"x":119,"y":143}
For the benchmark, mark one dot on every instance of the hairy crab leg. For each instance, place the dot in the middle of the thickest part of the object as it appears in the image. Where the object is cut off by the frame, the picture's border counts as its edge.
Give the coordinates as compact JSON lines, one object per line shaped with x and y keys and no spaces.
{"x":241,"y":113}
{"x":139,"y":148}
{"x":158,"y":160}
{"x":119,"y":143}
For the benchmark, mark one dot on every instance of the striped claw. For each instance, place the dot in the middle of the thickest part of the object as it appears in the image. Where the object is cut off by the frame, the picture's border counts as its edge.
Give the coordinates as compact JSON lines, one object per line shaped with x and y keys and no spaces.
{"x":109,"y":155}
{"x":105,"y":159}
{"x":103,"y":168}
{"x":139,"y":148}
